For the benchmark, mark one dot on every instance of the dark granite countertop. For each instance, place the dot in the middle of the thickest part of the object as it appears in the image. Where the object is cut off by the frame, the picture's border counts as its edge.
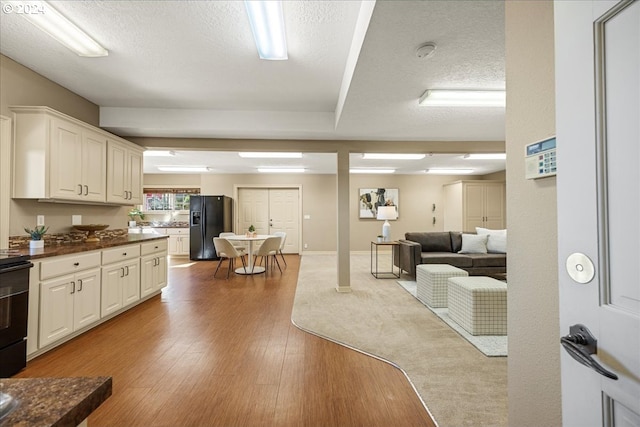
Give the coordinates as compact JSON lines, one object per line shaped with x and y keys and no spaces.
{"x":72,"y":248}
{"x":53,"y":401}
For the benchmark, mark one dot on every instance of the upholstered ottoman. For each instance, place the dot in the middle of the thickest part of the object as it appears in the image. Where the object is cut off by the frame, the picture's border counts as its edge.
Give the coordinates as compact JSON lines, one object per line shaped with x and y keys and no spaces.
{"x":432,"y":282}
{"x":479,"y":304}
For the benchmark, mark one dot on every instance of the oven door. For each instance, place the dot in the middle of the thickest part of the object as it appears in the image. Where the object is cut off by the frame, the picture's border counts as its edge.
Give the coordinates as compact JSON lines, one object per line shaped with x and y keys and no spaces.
{"x":14,"y":302}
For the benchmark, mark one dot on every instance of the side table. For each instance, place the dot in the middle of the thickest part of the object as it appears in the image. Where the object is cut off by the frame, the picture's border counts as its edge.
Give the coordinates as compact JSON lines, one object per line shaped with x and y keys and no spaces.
{"x":374,"y":256}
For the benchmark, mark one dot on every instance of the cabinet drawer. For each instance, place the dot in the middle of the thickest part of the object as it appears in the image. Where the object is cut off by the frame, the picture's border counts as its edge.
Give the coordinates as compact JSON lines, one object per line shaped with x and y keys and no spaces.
{"x":181,"y":231}
{"x":58,"y":266}
{"x":159,"y":245}
{"x":120,"y":253}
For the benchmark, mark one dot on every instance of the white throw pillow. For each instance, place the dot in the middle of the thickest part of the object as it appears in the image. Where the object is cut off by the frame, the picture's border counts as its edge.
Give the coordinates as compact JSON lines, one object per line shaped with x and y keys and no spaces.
{"x":474,"y":244}
{"x":497,"y":240}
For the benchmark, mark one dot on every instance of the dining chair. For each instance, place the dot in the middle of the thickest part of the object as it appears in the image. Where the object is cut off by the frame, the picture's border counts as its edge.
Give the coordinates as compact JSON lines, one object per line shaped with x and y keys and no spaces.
{"x":240,"y":246}
{"x":269,"y":248}
{"x":225,"y":249}
{"x":283,"y":237}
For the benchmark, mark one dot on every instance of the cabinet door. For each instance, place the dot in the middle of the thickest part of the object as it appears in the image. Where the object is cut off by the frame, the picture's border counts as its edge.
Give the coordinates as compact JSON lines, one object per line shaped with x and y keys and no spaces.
{"x":473,"y":206}
{"x":174,"y":242}
{"x":56,"y":309}
{"x":494,"y":206}
{"x":184,"y":245}
{"x":86,"y":305}
{"x":131,"y":283}
{"x":65,"y":178}
{"x":112,"y":288}
{"x":134,"y":177}
{"x":161,"y":270}
{"x":147,"y":270}
{"x":94,"y":166}
{"x":116,"y":172}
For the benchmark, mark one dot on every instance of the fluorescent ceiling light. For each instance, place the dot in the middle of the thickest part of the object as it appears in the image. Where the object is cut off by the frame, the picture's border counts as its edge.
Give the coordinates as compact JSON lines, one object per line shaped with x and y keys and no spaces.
{"x":44,"y":16}
{"x":486,"y":156}
{"x":281,"y":170}
{"x":159,"y":153}
{"x":392,"y":156}
{"x":270,"y":155}
{"x":267,"y":25}
{"x":449,"y":171}
{"x":372,"y":170}
{"x":184,"y":168}
{"x":463,"y":98}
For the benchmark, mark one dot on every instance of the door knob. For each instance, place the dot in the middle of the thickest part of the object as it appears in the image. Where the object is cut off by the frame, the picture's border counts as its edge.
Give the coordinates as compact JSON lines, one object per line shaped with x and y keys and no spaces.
{"x":581,"y":344}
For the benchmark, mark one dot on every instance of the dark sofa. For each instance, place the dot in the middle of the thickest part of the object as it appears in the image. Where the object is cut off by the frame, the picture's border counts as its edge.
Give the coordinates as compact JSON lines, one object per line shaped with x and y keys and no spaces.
{"x":441,"y":247}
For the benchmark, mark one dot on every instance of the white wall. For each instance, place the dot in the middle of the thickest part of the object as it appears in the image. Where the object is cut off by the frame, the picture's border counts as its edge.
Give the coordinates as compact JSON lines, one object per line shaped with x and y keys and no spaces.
{"x":534,"y":349}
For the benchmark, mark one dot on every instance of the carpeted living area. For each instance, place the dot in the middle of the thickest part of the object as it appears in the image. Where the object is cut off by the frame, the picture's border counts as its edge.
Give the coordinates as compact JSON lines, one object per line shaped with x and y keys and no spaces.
{"x":459,"y":385}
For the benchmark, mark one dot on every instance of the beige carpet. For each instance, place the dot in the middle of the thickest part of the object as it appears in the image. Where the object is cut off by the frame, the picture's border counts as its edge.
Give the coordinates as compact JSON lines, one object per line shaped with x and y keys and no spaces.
{"x":459,"y":385}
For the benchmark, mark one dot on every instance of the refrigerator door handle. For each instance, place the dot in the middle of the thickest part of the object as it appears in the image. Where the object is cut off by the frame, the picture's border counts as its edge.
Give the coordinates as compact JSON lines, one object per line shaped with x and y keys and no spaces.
{"x":203,"y":210}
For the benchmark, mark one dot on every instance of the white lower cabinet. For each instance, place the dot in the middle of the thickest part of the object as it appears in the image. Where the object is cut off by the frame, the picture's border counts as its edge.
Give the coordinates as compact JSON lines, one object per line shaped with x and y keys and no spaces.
{"x":120,"y":278}
{"x":70,"y":300}
{"x":178,"y":241}
{"x":73,"y":293}
{"x":153,"y":270}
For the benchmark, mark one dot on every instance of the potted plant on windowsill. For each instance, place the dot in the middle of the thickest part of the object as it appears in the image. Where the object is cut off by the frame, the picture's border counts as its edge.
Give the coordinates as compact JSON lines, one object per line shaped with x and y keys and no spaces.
{"x":133,"y":213}
{"x":36,"y":236}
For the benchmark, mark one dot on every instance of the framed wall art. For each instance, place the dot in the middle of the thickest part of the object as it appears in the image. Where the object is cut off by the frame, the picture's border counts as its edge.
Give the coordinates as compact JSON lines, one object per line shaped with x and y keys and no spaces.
{"x":370,"y":198}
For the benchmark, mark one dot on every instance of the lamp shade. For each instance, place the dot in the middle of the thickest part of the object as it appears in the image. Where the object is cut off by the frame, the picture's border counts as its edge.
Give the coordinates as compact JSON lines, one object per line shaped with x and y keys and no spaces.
{"x":387,"y":212}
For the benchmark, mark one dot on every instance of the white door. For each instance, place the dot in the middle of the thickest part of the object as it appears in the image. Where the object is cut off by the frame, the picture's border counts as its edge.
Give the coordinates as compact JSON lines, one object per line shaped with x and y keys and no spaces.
{"x":283,"y":216}
{"x":253,"y":209}
{"x":598,"y":133}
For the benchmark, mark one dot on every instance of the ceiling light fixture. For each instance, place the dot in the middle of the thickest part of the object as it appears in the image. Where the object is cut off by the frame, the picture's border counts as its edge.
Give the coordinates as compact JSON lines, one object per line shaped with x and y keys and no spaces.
{"x":159,"y":153}
{"x":52,"y":22}
{"x":463,"y":98}
{"x":449,"y":171}
{"x":372,"y":170}
{"x":267,"y":25}
{"x":281,"y":170}
{"x":270,"y":155}
{"x":486,"y":156}
{"x":184,"y":168}
{"x":392,"y":156}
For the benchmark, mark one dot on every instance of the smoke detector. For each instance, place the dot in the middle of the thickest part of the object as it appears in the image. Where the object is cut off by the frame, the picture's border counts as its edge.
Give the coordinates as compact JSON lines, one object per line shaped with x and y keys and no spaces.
{"x":426,"y":50}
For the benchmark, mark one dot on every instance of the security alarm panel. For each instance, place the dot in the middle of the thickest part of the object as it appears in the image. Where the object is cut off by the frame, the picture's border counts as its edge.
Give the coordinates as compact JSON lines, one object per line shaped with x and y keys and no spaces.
{"x":540,"y":159}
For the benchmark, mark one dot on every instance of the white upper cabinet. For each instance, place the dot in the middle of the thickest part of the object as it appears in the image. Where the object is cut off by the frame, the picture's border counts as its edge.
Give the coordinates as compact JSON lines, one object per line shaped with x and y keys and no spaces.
{"x":57,"y":157}
{"x":124,"y":178}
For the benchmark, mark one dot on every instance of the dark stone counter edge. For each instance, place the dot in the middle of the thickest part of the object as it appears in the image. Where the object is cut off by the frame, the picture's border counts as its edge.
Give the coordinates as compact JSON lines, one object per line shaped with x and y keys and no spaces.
{"x":89,"y":404}
{"x":39,"y":400}
{"x":72,"y":248}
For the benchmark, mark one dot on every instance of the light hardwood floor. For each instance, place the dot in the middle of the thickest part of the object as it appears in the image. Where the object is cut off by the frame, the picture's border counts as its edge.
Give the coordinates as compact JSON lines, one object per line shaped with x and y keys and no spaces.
{"x":217,"y":352}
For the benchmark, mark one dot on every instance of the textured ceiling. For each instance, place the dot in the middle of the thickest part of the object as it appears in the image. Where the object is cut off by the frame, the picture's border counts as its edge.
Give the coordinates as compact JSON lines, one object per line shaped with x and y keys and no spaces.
{"x":190,"y":68}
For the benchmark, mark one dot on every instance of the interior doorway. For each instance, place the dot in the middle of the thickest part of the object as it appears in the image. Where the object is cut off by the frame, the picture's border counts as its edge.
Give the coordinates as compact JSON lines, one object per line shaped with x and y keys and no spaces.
{"x":271,"y":209}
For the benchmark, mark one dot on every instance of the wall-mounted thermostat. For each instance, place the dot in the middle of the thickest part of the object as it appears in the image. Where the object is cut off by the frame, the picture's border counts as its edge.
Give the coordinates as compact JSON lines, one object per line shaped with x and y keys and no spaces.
{"x":540,"y":159}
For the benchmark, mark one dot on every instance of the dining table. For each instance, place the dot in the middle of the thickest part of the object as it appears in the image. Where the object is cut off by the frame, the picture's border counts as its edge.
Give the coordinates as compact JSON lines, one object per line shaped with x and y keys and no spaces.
{"x":250,"y":269}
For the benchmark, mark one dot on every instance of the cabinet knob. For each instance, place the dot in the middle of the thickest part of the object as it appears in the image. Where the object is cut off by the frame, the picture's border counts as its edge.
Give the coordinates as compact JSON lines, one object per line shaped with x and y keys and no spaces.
{"x":76,"y":264}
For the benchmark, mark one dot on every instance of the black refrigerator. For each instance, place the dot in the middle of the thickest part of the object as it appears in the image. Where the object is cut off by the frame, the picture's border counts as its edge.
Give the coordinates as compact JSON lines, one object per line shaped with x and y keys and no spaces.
{"x":208,"y":217}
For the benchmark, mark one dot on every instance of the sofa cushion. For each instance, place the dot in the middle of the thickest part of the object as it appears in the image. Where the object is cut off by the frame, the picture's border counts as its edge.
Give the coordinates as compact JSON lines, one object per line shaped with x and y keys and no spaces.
{"x":456,"y":241}
{"x":433,"y":241}
{"x":497,"y":242}
{"x":457,"y":260}
{"x":474,"y":244}
{"x":487,"y":260}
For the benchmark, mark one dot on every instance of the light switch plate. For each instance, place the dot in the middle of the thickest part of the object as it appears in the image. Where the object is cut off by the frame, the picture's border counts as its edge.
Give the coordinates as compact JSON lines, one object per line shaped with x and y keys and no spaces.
{"x":76,"y":219}
{"x":40,"y":220}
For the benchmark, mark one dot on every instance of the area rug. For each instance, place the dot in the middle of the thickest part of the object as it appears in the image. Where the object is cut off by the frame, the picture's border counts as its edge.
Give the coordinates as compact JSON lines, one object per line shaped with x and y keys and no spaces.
{"x":459,"y":385}
{"x":489,"y":345}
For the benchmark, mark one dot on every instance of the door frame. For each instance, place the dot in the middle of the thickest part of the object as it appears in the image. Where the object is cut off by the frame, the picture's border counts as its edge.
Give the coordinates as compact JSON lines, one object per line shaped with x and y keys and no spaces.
{"x":236,"y":190}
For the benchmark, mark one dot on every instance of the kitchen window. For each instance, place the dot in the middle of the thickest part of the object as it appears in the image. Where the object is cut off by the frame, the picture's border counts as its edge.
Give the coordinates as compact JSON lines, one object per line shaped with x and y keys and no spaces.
{"x":167,"y":199}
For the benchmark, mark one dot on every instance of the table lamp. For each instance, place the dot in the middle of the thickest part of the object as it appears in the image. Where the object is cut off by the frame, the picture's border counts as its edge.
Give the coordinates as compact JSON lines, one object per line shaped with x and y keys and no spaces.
{"x":386,"y":213}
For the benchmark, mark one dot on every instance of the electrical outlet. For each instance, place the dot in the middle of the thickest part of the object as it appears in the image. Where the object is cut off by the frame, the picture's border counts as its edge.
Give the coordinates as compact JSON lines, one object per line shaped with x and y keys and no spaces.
{"x":40,"y":220}
{"x":307,"y":217}
{"x":306,"y":246}
{"x":76,"y":219}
